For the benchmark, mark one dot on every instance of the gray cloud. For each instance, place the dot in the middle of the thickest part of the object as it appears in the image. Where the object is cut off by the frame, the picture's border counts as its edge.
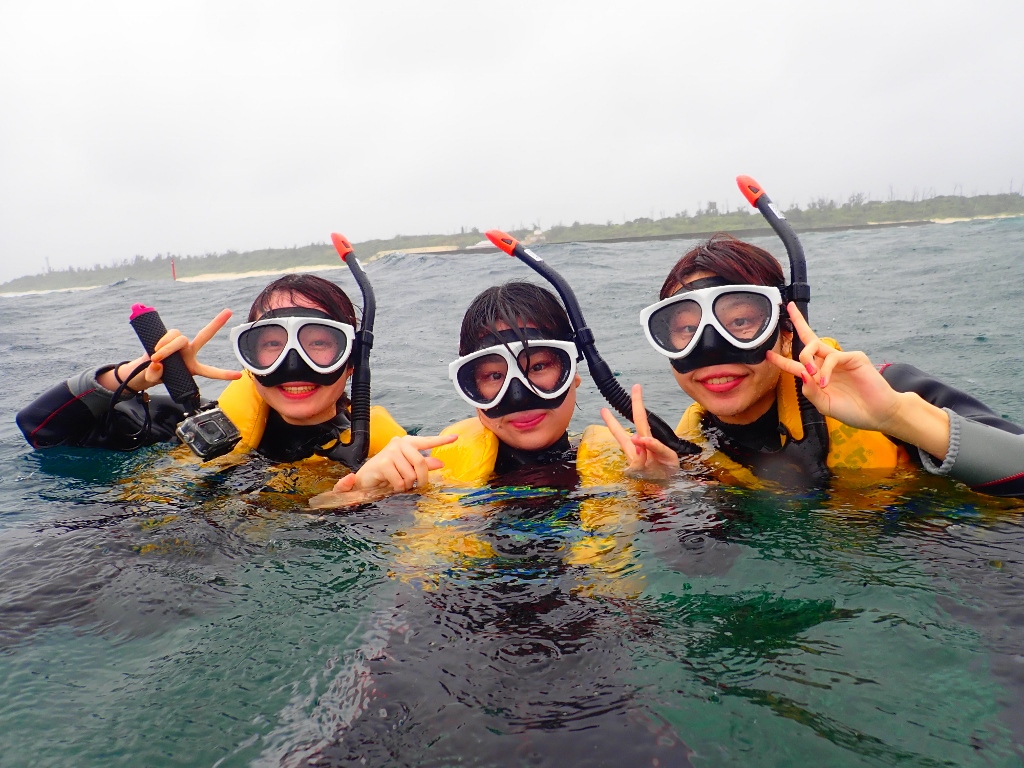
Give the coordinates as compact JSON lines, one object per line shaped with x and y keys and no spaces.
{"x":132,"y":128}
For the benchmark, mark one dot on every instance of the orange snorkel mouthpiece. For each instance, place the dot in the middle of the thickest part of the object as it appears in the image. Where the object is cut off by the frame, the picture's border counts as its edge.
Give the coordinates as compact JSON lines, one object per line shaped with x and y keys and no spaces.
{"x":341,"y":245}
{"x":502,"y":240}
{"x":750,"y":189}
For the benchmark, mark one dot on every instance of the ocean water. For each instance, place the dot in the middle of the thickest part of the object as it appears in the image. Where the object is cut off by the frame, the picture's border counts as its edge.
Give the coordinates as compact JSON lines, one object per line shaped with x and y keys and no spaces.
{"x":154,"y":612}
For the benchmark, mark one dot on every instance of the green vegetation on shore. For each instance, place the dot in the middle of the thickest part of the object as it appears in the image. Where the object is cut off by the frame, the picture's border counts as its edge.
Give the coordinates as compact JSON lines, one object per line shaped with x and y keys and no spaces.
{"x":819,"y":214}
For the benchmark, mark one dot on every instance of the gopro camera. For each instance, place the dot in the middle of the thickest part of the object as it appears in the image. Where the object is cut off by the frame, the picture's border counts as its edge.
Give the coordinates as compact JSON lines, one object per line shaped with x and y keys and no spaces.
{"x":208,"y":432}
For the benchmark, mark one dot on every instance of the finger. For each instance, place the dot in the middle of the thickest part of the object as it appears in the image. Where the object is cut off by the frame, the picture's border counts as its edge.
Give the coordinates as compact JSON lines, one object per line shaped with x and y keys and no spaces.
{"x":215,"y":373}
{"x":154,"y":374}
{"x":799,"y":323}
{"x":211,"y":329}
{"x":641,"y":451}
{"x":405,"y":470}
{"x":433,"y":463}
{"x":661,"y":452}
{"x":639,"y":412}
{"x":846,"y":359}
{"x":168,"y":345}
{"x":622,"y":437}
{"x":785,"y":364}
{"x":418,"y":462}
{"x":431,"y":441}
{"x":393,"y":476}
{"x":168,"y":335}
{"x":347,"y":483}
{"x":810,"y":352}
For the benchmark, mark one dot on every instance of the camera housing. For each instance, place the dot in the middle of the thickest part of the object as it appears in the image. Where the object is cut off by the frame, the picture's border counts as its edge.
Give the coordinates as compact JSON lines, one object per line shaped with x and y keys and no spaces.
{"x":208,"y":432}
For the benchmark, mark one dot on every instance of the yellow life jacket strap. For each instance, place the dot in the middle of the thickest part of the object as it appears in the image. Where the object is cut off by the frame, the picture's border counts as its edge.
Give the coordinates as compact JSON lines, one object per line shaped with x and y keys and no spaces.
{"x":247,"y":410}
{"x":241,"y":402}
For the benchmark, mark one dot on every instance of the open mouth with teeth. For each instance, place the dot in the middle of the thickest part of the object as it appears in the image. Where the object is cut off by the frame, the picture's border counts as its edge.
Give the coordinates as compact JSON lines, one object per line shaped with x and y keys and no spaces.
{"x":297,"y":390}
{"x":722,"y":382}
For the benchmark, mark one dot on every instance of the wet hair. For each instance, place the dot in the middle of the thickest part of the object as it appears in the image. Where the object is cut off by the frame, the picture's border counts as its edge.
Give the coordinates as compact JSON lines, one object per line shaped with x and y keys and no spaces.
{"x":726,"y":256}
{"x":323,"y":293}
{"x":516,"y":304}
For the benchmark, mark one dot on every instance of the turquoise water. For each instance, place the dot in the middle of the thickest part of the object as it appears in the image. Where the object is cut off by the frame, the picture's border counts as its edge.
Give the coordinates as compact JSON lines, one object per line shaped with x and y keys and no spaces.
{"x":155,"y":613}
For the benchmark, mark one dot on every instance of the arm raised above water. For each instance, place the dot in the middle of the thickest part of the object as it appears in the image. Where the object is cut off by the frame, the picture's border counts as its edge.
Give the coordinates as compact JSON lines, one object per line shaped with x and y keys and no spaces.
{"x":955,"y":434}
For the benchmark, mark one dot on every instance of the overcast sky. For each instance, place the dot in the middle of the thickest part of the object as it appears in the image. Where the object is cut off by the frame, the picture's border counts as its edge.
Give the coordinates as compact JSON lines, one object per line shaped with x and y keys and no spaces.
{"x":194,"y":127}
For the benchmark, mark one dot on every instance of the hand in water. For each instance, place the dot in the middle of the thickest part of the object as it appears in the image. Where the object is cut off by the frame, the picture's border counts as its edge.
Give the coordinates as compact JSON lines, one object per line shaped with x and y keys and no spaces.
{"x":847,"y":387}
{"x":648,"y":457}
{"x":398,"y":468}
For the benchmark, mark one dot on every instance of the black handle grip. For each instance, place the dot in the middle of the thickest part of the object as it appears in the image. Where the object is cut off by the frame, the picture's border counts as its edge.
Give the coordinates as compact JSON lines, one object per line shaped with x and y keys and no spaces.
{"x":179,"y":382}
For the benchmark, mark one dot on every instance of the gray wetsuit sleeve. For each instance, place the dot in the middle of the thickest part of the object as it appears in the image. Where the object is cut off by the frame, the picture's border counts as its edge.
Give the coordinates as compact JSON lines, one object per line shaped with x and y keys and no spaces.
{"x":88,"y":391}
{"x":985,"y":458}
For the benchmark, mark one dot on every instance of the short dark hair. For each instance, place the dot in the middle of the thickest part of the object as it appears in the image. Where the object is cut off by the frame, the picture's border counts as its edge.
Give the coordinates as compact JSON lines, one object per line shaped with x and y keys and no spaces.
{"x":516,"y":304}
{"x":321,"y":292}
{"x":726,"y":256}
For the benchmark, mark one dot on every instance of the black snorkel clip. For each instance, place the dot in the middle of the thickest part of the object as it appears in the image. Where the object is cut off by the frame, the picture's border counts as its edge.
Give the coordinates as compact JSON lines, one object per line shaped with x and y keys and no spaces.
{"x":799,"y":292}
{"x":602,"y":375}
{"x":353,"y":453}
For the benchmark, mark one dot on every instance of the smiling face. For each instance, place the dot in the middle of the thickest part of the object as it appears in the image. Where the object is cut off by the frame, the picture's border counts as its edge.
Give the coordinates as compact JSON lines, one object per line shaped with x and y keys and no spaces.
{"x":736,"y":393}
{"x":536,"y":429}
{"x":301,"y":402}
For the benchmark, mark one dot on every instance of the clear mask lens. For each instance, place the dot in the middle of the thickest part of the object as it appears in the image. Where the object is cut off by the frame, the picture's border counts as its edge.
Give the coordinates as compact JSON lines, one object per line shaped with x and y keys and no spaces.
{"x":546,"y":369}
{"x":262,"y":346}
{"x":744,"y":316}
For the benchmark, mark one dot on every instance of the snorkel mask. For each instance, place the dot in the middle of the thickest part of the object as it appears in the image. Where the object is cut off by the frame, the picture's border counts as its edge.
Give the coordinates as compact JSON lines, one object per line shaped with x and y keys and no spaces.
{"x":515,"y":371}
{"x":713,"y":322}
{"x":305,"y":344}
{"x":583,"y":337}
{"x":294,"y":344}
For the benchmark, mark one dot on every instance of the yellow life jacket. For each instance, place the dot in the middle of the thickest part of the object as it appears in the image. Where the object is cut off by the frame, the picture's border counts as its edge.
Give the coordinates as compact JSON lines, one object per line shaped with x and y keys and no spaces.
{"x":470,"y":460}
{"x":241,"y":402}
{"x":444,"y":532}
{"x":849,"y":448}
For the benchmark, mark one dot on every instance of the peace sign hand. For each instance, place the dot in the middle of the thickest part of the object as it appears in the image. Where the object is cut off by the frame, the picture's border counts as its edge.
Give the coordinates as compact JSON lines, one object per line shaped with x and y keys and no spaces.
{"x":843,"y":385}
{"x":175,"y":341}
{"x":649,"y":458}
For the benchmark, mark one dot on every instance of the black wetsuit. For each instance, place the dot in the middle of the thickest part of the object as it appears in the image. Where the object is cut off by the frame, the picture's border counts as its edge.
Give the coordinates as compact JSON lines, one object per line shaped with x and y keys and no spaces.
{"x":551,"y":467}
{"x":77,"y":412}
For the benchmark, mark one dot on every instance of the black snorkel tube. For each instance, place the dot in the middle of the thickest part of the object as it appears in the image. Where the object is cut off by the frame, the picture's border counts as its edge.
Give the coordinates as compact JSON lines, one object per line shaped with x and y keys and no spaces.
{"x":799,"y":292}
{"x":353,"y":453}
{"x":602,"y":375}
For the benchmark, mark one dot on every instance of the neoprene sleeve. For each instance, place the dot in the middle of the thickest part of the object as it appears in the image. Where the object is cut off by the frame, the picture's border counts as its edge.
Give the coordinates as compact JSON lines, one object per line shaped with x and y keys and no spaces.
{"x":985,"y":451}
{"x":74,"y":412}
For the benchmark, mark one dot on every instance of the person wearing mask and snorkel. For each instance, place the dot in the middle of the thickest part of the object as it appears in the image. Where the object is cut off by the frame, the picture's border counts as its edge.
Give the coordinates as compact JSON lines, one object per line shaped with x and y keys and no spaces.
{"x":298,"y":349}
{"x":517,"y":367}
{"x":738,"y":343}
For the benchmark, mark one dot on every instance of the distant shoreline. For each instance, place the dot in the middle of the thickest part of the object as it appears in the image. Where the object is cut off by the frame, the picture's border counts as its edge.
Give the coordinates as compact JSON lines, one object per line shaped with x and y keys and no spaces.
{"x":236,"y":274}
{"x":753,"y":232}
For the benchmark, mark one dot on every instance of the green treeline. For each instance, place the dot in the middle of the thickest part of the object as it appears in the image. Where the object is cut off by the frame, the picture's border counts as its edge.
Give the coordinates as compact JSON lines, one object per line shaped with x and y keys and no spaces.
{"x":820,"y":213}
{"x":857,"y":211}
